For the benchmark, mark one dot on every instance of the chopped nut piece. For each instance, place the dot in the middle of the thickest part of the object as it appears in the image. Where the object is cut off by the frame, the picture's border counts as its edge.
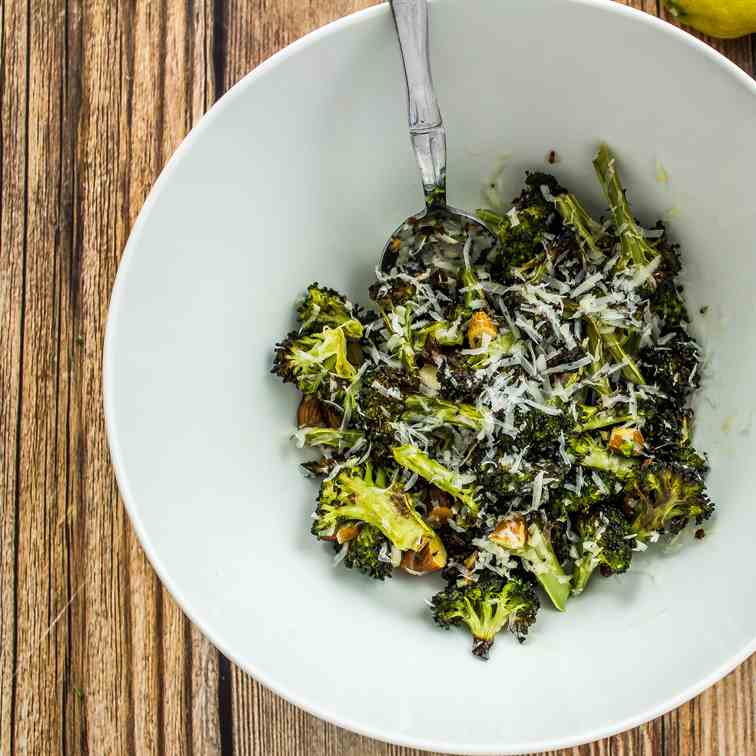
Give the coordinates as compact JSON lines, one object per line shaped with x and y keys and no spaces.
{"x":627,"y":441}
{"x":439,"y":515}
{"x":347,"y":533}
{"x":480,"y":325}
{"x":431,"y":558}
{"x":311,"y":413}
{"x":510,"y":533}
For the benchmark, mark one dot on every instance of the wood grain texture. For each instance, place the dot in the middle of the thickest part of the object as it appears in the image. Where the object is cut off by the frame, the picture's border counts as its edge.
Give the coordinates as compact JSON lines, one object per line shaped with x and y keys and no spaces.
{"x":95,"y":657}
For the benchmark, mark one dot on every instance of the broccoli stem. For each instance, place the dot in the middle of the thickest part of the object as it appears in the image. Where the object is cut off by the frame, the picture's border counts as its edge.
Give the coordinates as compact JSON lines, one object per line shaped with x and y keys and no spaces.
{"x":600,"y":459}
{"x":584,"y":568}
{"x":631,"y":371}
{"x":443,"y":332}
{"x":443,"y":412}
{"x":577,"y":217}
{"x":387,"y":509}
{"x":474,"y":296}
{"x":411,"y":458}
{"x":635,"y":248}
{"x":540,"y":555}
{"x":604,"y":420}
{"x":338,"y":439}
{"x":603,"y":337}
{"x":399,"y":324}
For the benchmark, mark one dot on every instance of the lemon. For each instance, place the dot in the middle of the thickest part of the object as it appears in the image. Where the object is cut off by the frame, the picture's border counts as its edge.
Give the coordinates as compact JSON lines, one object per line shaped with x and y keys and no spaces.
{"x":725,"y":19}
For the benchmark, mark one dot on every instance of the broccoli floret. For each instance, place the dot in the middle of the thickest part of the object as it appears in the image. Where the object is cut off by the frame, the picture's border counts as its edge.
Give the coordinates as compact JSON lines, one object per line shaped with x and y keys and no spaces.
{"x":668,"y":435}
{"x":487,"y":607}
{"x":332,"y":437}
{"x":532,"y":544}
{"x":520,"y":242}
{"x":667,"y":304}
{"x":459,"y":380}
{"x":455,"y":484}
{"x":543,"y":433}
{"x":381,"y":404}
{"x":665,"y":497}
{"x":582,"y":499}
{"x":594,"y":454}
{"x":355,"y":495}
{"x":368,"y":553}
{"x":605,"y":541}
{"x":523,"y":231}
{"x":500,"y":485}
{"x":310,"y":360}
{"x":666,"y":423}
{"x":324,"y":307}
{"x":673,"y":367}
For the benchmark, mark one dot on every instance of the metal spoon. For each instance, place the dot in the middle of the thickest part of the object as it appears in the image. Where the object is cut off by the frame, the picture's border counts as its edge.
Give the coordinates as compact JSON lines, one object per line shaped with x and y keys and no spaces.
{"x":426,"y":126}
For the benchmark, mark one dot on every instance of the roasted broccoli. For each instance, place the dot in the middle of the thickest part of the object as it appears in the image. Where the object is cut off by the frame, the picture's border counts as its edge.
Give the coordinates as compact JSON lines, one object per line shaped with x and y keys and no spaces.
{"x":524,"y":230}
{"x":322,"y":307}
{"x":581,"y":494}
{"x":455,"y":484}
{"x":310,"y":360}
{"x":673,"y":366}
{"x":438,"y":412}
{"x":530,"y":542}
{"x":369,"y":551}
{"x":592,"y":453}
{"x":338,"y":439}
{"x":665,"y":497}
{"x":637,"y":252}
{"x":486,"y":607}
{"x":606,"y":541}
{"x":356,"y":495}
{"x":589,"y":232}
{"x":517,"y":412}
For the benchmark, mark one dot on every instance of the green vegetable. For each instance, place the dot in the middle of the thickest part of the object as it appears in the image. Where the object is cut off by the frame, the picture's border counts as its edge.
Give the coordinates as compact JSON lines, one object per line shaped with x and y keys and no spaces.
{"x":486,"y":608}
{"x":412,"y":458}
{"x":516,"y":412}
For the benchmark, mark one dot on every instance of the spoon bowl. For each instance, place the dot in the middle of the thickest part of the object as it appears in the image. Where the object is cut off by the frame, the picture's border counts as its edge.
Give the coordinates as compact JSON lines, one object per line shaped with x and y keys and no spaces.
{"x":440,"y":218}
{"x":427,"y":131}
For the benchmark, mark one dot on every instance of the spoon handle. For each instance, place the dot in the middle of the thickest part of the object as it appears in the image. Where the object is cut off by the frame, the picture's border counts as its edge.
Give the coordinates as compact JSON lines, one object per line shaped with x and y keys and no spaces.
{"x":426,"y":125}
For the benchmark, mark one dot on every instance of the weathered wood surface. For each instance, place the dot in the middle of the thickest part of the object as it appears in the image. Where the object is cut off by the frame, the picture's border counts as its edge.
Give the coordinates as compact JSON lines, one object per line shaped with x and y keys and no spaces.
{"x":94,"y":655}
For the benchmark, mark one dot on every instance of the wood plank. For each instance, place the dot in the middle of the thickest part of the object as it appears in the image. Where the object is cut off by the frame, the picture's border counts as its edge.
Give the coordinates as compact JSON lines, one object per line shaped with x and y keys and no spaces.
{"x":102,"y":656}
{"x":255,"y":29}
{"x":14,"y":74}
{"x":42,"y":562}
{"x":98,"y":688}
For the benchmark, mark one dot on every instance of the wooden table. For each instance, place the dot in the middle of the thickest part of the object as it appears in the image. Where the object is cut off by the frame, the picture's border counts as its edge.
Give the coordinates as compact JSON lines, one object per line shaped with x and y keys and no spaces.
{"x":94,"y":655}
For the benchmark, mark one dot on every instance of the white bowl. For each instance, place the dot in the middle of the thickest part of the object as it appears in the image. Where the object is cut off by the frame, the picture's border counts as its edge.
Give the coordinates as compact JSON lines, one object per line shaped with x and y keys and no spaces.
{"x":299,"y":174}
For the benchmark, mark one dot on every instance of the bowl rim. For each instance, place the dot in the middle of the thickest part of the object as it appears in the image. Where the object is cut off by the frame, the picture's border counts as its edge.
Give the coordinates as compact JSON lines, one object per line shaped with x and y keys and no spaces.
{"x":111,"y":424}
